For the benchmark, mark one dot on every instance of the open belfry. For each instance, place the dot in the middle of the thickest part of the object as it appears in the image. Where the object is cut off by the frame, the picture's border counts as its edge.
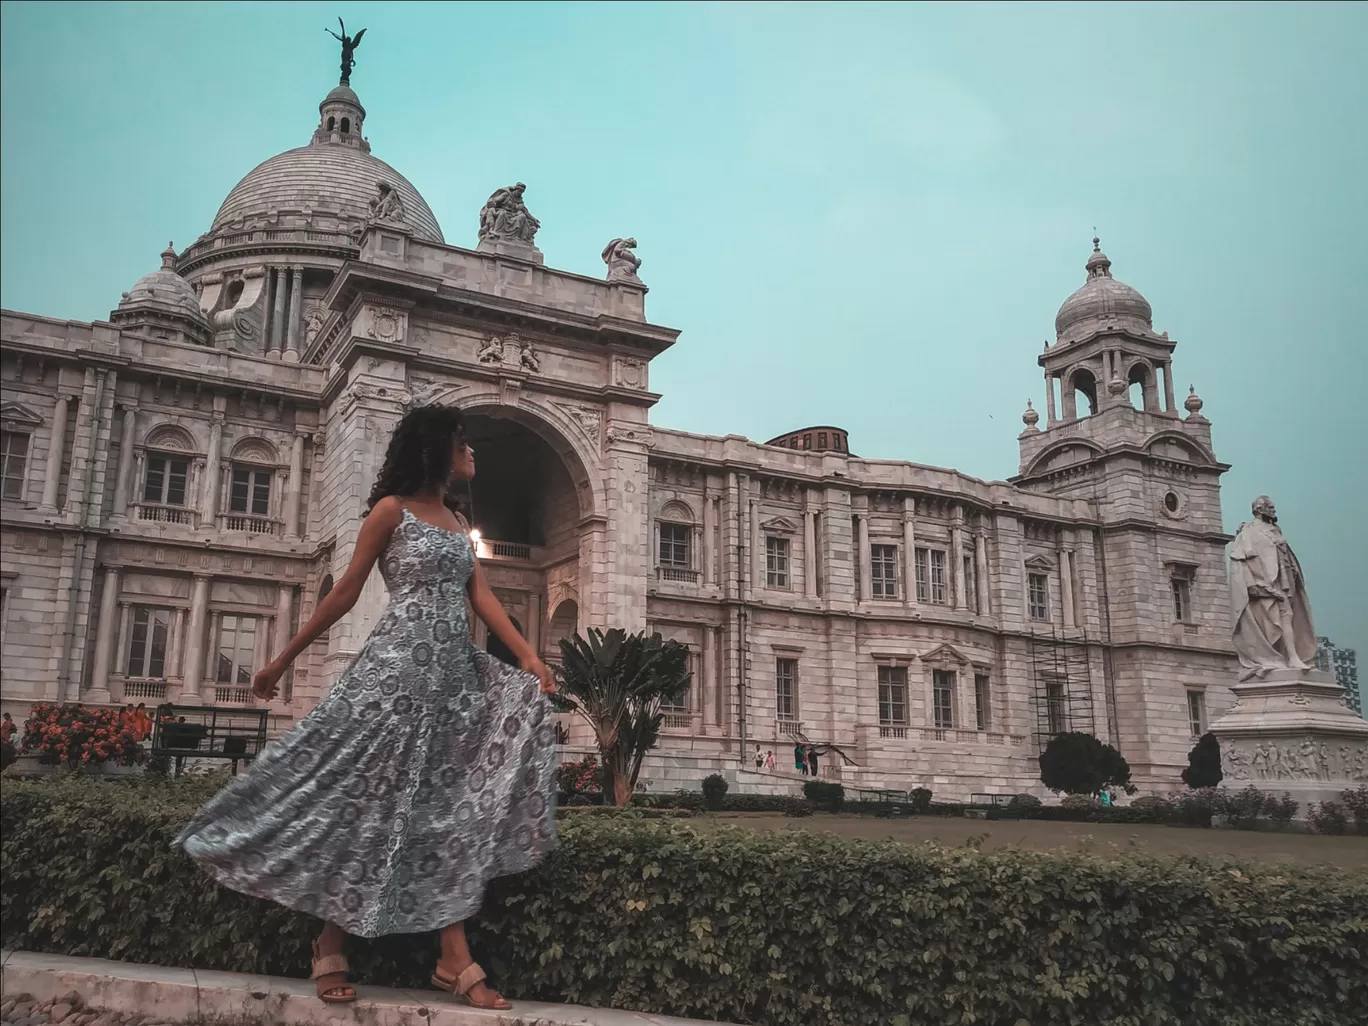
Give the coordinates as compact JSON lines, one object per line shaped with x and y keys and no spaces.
{"x":183,"y":481}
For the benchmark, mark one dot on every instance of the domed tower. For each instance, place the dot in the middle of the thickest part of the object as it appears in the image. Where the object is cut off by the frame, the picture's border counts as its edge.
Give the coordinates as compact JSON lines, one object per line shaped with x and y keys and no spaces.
{"x":289,"y":224}
{"x":1114,"y":437}
{"x":163,"y":305}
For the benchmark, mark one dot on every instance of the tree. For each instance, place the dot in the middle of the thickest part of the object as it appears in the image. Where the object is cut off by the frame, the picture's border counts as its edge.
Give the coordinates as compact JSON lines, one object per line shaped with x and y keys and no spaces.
{"x":617,"y":683}
{"x":1078,"y":763}
{"x":1204,"y":763}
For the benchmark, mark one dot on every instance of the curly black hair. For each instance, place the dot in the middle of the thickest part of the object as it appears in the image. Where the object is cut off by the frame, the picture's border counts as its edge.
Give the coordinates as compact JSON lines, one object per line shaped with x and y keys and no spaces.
{"x":419,"y":454}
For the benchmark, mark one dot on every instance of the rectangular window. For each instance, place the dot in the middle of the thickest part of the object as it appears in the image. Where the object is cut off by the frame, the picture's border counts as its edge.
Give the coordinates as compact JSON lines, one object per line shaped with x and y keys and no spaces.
{"x":777,"y":562}
{"x":682,"y":706}
{"x":883,"y":571}
{"x":14,"y":450}
{"x":786,"y":688}
{"x":674,"y":546}
{"x":893,"y":696}
{"x":1196,"y":713}
{"x":251,"y":492}
{"x":147,"y":643}
{"x":1182,"y":593}
{"x":943,"y":698}
{"x":236,"y":648}
{"x":1039,"y":596}
{"x":982,"y":701}
{"x":931,"y":580}
{"x":1056,"y":707}
{"x":166,"y":477}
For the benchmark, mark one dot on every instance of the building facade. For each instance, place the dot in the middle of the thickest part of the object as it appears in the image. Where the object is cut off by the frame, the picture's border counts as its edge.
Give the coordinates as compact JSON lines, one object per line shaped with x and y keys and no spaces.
{"x":182,"y":483}
{"x":1343,"y":663}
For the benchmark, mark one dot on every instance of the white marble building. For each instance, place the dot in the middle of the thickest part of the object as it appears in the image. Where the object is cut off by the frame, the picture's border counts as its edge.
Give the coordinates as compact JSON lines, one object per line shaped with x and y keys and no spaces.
{"x":182,"y":481}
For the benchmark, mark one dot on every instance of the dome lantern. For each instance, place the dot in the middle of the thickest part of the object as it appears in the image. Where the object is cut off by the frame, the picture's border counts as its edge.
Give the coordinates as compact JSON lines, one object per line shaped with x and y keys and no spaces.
{"x":1102,"y":303}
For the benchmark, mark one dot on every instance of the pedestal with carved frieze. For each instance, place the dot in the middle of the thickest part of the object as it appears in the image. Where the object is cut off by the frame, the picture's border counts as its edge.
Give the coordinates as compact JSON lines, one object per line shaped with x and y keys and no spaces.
{"x":1292,"y":731}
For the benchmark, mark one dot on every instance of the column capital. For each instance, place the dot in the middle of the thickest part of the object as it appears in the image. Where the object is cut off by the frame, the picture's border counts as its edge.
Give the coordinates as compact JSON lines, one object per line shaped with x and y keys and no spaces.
{"x":297,"y":270}
{"x":128,"y":405}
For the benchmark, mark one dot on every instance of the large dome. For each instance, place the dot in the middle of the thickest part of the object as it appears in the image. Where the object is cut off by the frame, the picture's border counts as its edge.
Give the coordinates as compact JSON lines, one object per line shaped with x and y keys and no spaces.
{"x":1102,"y":302}
{"x":321,"y":179}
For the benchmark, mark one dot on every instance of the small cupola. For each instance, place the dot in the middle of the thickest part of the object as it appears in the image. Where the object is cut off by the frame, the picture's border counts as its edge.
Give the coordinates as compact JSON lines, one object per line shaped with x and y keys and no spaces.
{"x":340,"y":119}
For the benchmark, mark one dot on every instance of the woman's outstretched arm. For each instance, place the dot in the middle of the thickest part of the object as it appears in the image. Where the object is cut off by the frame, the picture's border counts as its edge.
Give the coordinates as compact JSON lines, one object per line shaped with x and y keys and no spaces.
{"x":374,"y":535}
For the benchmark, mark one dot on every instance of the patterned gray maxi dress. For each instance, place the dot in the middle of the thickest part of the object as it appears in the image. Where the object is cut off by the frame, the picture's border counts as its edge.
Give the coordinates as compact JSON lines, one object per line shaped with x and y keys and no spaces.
{"x":424,"y":774}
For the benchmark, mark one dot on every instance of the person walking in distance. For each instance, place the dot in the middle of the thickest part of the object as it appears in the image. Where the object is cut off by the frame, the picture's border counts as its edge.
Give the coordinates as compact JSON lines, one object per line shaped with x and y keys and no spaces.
{"x":427,"y":771}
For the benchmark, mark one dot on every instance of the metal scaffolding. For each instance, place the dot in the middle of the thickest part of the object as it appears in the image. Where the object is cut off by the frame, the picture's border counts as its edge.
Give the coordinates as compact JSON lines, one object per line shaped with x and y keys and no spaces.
{"x":1061,"y":678}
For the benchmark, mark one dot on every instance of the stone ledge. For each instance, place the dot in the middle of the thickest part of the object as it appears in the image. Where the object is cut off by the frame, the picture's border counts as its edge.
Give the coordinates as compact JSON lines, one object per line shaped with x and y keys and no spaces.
{"x":192,"y":996}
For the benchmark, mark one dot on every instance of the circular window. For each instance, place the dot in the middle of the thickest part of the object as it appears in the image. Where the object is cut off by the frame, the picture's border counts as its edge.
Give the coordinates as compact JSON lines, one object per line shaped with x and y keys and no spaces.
{"x":1171,"y":502}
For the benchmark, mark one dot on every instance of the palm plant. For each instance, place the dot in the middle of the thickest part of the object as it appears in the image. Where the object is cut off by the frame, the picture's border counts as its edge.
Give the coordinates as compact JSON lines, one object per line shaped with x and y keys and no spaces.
{"x":617,"y":683}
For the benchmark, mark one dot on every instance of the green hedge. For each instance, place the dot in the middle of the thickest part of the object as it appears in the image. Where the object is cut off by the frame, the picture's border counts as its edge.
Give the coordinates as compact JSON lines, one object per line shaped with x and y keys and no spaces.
{"x":784,"y":928}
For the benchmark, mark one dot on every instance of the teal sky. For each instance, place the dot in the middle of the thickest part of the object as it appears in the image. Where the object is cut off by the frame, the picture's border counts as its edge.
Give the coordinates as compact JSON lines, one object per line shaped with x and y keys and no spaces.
{"x":863,"y":215}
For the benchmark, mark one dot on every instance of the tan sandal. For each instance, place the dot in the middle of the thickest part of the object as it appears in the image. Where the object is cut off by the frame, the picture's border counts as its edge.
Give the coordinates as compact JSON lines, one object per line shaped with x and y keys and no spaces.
{"x":462,"y":985}
{"x":332,"y":965}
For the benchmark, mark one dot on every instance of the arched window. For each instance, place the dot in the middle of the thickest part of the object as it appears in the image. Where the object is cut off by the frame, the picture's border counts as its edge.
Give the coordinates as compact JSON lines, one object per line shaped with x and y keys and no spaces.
{"x":1084,"y":389}
{"x":1139,"y":382}
{"x":167,"y":457}
{"x":253,"y":468}
{"x":332,"y":123}
{"x":675,"y":542}
{"x":346,"y":125}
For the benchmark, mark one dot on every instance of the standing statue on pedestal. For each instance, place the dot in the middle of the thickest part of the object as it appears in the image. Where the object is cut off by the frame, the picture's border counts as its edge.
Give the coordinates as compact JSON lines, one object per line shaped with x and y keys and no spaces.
{"x":506,"y":217}
{"x":349,"y":45}
{"x":1271,"y":613}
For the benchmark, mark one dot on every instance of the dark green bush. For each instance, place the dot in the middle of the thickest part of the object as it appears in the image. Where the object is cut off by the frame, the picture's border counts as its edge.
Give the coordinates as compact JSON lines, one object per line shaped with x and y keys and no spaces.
{"x":8,"y":754}
{"x":921,"y":799}
{"x":1328,"y":817}
{"x":824,"y":794}
{"x":782,"y":928}
{"x":1356,"y":801}
{"x":1204,"y":763}
{"x":714,"y":792}
{"x":1078,"y":763}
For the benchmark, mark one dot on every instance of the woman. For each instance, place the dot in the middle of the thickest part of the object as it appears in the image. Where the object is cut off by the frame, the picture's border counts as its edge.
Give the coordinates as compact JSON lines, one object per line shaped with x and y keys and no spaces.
{"x":427,"y":771}
{"x":142,"y":723}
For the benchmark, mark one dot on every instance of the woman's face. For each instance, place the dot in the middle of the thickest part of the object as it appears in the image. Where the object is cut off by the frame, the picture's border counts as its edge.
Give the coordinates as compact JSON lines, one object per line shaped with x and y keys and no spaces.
{"x":462,"y":462}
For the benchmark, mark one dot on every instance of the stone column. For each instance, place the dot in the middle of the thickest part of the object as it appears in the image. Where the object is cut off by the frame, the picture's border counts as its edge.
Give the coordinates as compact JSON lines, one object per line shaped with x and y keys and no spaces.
{"x":1169,"y":406}
{"x":211,"y":650}
{"x":866,"y":569}
{"x":810,"y":552}
{"x":195,"y":639}
{"x":268,"y":288}
{"x":1066,"y":596}
{"x":212,"y":458}
{"x":534,"y":621}
{"x":295,"y":487}
{"x":105,"y":631}
{"x":296,"y":298}
{"x":1051,"y":418}
{"x":757,"y":549}
{"x":981,"y":562}
{"x":278,"y":321}
{"x":176,"y":641}
{"x":909,"y":553}
{"x":120,"y":667}
{"x":52,"y":470}
{"x":284,"y":614}
{"x":708,"y":686}
{"x":957,"y":566}
{"x":121,"y":485}
{"x":708,"y":548}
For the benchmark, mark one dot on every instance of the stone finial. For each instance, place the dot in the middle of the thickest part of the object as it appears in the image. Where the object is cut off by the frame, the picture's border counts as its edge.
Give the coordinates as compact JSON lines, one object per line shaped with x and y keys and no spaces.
{"x":622,"y":262}
{"x":1030,"y":417}
{"x":169,"y":257}
{"x":1193,"y":403}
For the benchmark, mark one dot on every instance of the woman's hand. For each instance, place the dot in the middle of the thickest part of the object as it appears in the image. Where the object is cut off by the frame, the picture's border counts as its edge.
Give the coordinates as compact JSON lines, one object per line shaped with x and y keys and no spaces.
{"x":531,"y":664}
{"x":266,"y":683}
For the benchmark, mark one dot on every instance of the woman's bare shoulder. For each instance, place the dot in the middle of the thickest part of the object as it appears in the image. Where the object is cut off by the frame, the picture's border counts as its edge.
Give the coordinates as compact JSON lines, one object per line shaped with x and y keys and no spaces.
{"x":386,"y":514}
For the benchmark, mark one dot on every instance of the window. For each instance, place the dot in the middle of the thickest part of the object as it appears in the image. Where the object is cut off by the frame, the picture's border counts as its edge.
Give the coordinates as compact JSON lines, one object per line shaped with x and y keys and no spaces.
{"x":943,"y":698}
{"x":821,"y":440}
{"x":251,"y":492}
{"x":786,"y":688}
{"x":931,"y":576}
{"x":1056,"y":707}
{"x":14,"y":450}
{"x":166,"y":477}
{"x":982,"y":703}
{"x":777,"y":562}
{"x":1197,"y":713}
{"x":674,"y":546}
{"x":893,"y":696}
{"x":147,"y":642}
{"x":807,"y":441}
{"x":1181,"y":583}
{"x":672,"y":710}
{"x":1038,"y":587}
{"x":883,"y":571}
{"x":236,"y":648}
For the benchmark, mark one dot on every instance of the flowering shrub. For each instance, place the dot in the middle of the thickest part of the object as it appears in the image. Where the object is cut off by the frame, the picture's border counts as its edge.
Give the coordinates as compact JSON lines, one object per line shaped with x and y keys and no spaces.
{"x":79,"y":736}
{"x":583,"y":777}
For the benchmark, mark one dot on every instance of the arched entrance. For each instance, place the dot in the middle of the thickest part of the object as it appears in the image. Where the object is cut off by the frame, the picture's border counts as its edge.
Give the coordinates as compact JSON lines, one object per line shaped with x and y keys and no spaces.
{"x":525,"y":504}
{"x":499,"y":650}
